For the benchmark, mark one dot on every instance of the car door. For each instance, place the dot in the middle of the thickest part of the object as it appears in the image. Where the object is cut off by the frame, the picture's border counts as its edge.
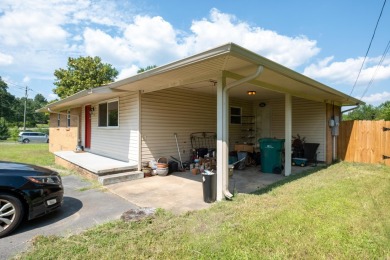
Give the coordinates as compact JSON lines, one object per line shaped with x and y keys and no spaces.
{"x":34,"y":138}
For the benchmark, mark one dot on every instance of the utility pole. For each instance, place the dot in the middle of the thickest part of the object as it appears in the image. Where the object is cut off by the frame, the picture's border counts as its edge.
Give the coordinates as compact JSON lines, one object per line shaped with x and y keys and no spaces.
{"x":25,"y":108}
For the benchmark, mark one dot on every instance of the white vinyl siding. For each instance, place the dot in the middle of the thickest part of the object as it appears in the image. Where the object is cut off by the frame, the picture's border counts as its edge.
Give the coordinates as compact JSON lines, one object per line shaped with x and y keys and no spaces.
{"x":308,"y":120}
{"x":174,"y":111}
{"x":118,"y":142}
{"x":182,"y":112}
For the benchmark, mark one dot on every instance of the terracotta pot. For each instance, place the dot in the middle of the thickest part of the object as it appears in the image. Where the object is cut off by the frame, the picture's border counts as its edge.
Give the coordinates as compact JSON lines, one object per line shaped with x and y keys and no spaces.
{"x":162,"y":165}
{"x":195,"y":171}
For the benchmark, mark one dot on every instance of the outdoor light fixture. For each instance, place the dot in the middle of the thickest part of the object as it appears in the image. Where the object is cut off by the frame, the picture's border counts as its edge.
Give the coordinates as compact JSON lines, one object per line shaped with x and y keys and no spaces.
{"x":251,"y":92}
{"x":91,"y":110}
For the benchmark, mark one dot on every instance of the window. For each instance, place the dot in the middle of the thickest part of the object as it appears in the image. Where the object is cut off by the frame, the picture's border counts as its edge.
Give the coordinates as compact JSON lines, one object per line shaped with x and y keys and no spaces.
{"x":58,"y":120}
{"x":235,"y":115}
{"x":68,"y":119}
{"x":108,"y":114}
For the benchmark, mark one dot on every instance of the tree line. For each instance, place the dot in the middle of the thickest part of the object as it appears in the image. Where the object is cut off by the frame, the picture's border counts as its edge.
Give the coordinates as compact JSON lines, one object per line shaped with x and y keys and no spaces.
{"x":12,"y":111}
{"x":370,"y":112}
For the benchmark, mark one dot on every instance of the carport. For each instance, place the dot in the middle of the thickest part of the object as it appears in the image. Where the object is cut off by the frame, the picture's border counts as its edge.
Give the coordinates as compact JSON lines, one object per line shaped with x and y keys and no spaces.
{"x":157,"y":103}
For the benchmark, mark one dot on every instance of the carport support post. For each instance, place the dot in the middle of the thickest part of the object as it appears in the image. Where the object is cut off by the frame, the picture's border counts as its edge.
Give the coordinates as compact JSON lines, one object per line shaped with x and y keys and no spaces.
{"x":288,"y":135}
{"x":221,"y":144}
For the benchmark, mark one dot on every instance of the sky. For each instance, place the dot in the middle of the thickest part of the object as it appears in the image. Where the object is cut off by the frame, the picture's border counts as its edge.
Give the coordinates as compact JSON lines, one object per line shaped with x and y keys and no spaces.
{"x":325,"y":40}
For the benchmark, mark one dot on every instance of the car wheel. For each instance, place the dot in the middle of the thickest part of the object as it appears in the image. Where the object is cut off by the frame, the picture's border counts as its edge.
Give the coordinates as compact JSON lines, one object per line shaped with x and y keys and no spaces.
{"x":26,"y":141}
{"x":11,"y":214}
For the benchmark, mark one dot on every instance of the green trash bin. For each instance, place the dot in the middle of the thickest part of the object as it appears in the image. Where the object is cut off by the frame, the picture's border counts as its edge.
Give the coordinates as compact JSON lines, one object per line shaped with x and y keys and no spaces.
{"x":271,"y":155}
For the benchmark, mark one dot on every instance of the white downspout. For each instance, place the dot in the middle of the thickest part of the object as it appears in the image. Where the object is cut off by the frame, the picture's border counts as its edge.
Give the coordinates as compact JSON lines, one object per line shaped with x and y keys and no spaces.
{"x":139,"y":130}
{"x":225,"y":132}
{"x":287,"y":134}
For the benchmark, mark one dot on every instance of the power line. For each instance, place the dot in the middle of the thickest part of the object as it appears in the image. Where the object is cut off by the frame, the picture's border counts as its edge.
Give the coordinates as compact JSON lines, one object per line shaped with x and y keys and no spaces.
{"x":369,"y":46}
{"x":377,"y":67}
{"x":21,"y":87}
{"x":13,"y":84}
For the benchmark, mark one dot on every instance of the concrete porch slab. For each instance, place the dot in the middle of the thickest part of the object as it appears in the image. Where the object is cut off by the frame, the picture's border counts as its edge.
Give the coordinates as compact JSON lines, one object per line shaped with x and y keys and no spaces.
{"x":94,"y":163}
{"x":120,"y":177}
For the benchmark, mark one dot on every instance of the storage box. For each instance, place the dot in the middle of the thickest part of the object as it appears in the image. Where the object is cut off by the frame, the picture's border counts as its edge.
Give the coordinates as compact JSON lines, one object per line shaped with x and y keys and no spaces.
{"x":243,"y":148}
{"x":299,"y":161}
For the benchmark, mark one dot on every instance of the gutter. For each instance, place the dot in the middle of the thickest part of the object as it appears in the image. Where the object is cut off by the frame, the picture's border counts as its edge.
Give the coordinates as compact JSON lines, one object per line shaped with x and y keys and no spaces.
{"x":350,"y":109}
{"x":225,"y":132}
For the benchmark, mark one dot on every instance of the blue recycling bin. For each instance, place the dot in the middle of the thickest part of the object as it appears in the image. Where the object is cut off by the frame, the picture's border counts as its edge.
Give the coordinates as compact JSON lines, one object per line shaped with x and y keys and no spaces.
{"x":271,"y":154}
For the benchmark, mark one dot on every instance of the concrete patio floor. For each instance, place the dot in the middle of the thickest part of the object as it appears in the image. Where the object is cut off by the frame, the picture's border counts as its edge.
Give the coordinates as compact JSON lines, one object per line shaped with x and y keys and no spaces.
{"x":180,"y":192}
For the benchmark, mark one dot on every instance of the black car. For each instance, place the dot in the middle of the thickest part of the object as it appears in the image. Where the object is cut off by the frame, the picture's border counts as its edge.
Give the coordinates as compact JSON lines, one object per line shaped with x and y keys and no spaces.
{"x":26,"y":192}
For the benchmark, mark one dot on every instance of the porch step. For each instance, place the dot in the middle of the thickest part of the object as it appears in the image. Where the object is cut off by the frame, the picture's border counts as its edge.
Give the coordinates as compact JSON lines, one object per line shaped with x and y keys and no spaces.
{"x":120,"y":177}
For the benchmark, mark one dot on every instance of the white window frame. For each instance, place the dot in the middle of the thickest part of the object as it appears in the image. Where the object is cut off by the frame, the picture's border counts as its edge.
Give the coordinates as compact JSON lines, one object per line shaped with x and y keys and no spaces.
{"x":235,"y":116}
{"x":107,"y":119}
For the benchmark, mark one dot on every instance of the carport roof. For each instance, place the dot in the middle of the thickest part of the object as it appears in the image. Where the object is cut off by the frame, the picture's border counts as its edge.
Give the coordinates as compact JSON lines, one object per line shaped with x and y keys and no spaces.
{"x":231,"y":59}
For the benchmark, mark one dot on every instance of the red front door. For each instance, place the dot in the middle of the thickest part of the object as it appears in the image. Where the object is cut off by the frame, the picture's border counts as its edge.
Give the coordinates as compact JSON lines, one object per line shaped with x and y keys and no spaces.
{"x":88,"y":126}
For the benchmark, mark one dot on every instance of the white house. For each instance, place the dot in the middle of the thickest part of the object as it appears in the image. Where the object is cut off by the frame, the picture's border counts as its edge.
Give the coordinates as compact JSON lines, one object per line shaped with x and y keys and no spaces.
{"x":134,"y":119}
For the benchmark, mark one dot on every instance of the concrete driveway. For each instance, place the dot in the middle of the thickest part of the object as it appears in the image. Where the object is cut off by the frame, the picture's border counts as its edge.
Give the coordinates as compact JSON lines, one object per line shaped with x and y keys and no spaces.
{"x":81,"y":210}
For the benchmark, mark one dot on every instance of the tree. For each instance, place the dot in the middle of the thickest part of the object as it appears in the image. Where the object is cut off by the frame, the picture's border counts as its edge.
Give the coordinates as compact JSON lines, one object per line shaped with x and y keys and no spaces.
{"x":38,"y":102}
{"x":147,"y":68}
{"x":384,"y":111}
{"x":3,"y":130}
{"x":7,"y":102}
{"x":82,"y":73}
{"x":365,"y":112}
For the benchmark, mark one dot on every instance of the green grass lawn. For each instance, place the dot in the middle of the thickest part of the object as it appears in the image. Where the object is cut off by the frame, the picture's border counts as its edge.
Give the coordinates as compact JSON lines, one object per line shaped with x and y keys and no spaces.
{"x":341,"y":212}
{"x":27,"y":153}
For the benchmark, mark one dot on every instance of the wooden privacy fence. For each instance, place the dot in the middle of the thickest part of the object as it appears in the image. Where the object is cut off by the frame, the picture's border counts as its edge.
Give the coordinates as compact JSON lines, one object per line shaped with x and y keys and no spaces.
{"x":364,"y":141}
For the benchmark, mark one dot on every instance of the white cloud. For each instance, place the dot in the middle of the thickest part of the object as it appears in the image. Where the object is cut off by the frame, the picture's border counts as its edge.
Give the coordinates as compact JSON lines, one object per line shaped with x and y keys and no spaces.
{"x":147,"y":41}
{"x":26,"y":79}
{"x":52,"y":96}
{"x":154,"y":41}
{"x":5,"y":59}
{"x":222,"y":28}
{"x":347,"y":71}
{"x":377,"y":98}
{"x":35,"y":25}
{"x":127,"y":72}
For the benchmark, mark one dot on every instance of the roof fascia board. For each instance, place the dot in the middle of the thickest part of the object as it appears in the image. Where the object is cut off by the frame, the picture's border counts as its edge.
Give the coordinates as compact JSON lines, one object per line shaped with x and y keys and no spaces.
{"x":218,"y":51}
{"x":78,"y":95}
